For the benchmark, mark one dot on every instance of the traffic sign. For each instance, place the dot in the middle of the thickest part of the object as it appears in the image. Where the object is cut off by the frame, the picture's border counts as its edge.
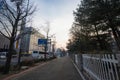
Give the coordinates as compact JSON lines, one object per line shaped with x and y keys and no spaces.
{"x":42,"y":41}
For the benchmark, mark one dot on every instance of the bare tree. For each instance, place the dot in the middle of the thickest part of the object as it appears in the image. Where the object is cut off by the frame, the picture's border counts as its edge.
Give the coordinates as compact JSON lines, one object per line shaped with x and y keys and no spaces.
{"x":49,"y":38}
{"x":47,"y":31}
{"x":11,"y":15}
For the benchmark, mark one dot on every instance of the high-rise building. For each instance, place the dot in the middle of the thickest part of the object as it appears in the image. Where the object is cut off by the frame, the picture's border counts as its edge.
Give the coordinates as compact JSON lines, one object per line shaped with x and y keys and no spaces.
{"x":30,"y":40}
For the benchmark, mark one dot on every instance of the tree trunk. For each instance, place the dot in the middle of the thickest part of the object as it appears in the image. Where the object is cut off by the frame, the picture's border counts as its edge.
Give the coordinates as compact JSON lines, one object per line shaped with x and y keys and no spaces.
{"x":98,"y":38}
{"x":11,"y":47}
{"x":21,"y":42}
{"x":19,"y":59}
{"x":9,"y":56}
{"x":114,"y":31}
{"x":116,"y":37}
{"x":45,"y":52}
{"x":19,"y":56}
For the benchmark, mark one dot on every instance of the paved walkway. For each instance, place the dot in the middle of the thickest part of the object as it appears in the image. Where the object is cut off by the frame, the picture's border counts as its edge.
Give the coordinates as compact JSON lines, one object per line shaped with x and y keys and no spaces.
{"x":58,"y":69}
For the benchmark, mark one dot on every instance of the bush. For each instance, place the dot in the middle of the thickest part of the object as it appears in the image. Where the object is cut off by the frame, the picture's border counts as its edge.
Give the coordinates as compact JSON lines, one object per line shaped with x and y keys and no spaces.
{"x":14,"y":68}
{"x":27,"y":63}
{"x":1,"y":68}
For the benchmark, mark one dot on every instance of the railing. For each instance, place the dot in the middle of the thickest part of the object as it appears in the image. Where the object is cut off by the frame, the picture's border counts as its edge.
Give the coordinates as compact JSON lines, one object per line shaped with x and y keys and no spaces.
{"x":101,"y":66}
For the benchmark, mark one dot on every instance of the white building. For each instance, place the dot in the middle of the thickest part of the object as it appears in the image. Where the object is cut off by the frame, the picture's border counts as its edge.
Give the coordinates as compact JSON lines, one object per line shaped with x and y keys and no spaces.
{"x":30,"y":40}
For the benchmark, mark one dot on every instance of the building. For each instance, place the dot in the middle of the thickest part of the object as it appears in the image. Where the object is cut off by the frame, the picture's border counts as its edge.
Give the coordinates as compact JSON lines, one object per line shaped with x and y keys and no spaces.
{"x":29,"y":42}
{"x":4,"y":43}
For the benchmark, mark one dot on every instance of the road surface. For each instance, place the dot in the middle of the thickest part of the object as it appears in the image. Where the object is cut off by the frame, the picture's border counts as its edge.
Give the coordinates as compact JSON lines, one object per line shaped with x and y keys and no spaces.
{"x":58,"y":69}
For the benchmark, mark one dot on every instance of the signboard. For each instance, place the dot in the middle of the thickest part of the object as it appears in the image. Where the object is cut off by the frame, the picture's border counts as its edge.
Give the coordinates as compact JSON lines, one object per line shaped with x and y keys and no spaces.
{"x":42,"y":41}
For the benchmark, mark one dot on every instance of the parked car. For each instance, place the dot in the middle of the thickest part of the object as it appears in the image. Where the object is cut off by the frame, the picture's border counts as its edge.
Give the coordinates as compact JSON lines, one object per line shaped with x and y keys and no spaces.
{"x":39,"y":55}
{"x":3,"y":55}
{"x":35,"y":54}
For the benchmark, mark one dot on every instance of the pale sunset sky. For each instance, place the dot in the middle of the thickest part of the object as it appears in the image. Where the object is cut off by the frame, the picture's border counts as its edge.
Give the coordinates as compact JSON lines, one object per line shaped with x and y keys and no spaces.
{"x":59,"y":13}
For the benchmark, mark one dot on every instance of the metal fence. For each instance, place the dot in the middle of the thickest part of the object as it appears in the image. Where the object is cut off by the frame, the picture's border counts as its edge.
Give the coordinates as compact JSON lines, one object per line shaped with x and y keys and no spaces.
{"x":98,"y":66}
{"x":101,"y":66}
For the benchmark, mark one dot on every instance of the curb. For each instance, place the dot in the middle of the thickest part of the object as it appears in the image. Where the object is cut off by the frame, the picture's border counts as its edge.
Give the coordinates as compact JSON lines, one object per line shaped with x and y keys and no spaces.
{"x":78,"y":70}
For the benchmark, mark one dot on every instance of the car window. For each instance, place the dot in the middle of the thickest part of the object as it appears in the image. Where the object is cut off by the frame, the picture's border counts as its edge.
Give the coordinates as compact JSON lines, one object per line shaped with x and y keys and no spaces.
{"x":2,"y":54}
{"x":35,"y":51}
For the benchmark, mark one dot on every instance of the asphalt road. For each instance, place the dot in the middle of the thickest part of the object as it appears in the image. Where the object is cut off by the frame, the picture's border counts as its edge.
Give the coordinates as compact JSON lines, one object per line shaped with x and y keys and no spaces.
{"x":58,"y":69}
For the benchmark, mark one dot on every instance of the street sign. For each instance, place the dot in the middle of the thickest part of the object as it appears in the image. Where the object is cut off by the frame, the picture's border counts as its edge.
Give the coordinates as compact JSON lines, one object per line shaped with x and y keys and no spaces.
{"x":42,"y":41}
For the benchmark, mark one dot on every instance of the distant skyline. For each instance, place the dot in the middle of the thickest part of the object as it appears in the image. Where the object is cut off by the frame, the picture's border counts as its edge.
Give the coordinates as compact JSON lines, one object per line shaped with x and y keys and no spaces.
{"x":59,"y":13}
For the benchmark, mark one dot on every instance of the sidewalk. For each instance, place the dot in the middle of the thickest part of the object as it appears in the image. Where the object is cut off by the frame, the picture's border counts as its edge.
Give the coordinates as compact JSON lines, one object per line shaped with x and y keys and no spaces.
{"x":18,"y":73}
{"x":58,"y":69}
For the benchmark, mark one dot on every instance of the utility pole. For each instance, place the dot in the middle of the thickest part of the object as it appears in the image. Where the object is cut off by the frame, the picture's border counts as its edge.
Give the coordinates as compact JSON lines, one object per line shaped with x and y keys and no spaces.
{"x":47,"y":30}
{"x":46,"y":47}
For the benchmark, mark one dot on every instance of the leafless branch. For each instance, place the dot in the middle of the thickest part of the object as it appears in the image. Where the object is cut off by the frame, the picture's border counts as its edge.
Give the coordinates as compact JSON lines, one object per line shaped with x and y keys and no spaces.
{"x":4,"y":35}
{"x":5,"y":28}
{"x":8,"y":18}
{"x":28,"y":11}
{"x":9,"y":9}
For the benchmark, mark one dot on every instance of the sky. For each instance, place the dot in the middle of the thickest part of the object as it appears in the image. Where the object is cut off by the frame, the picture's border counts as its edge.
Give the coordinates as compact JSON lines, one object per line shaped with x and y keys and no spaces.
{"x":59,"y":14}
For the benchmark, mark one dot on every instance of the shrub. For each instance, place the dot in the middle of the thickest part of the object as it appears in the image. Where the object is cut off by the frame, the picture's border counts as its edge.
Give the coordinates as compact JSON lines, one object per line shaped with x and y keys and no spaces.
{"x":1,"y":68}
{"x":27,"y":63}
